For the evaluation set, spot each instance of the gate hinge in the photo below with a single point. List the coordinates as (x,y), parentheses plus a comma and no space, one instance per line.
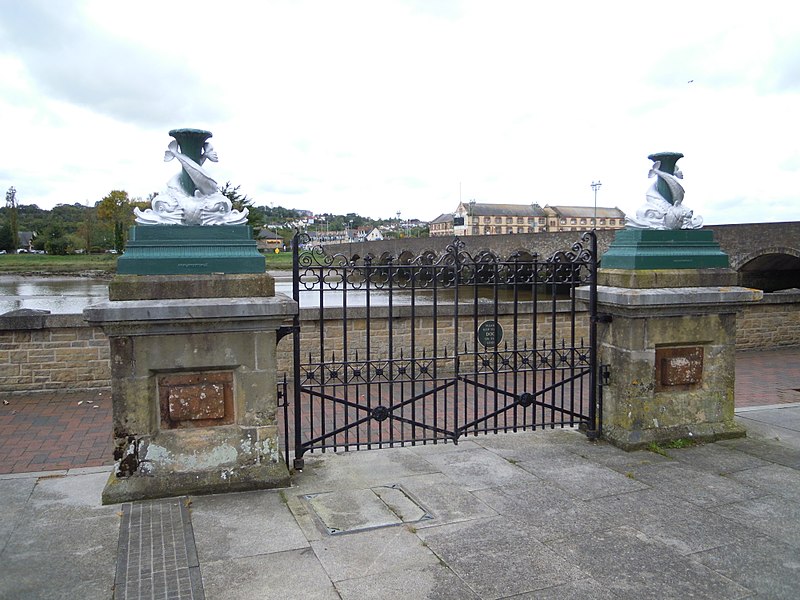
(605,374)
(285,330)
(602,318)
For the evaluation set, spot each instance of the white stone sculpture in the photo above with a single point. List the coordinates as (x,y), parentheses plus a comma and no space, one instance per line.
(191,196)
(664,208)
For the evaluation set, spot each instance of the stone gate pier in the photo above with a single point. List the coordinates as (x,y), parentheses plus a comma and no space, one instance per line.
(193,385)
(192,322)
(667,303)
(669,340)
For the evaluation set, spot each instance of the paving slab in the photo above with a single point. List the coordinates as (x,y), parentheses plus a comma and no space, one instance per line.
(358,470)
(766,566)
(346,511)
(768,449)
(632,565)
(498,557)
(13,496)
(446,502)
(545,509)
(700,488)
(231,526)
(572,590)
(772,478)
(775,425)
(432,583)
(773,516)
(671,521)
(605,454)
(290,574)
(530,445)
(785,418)
(714,458)
(370,552)
(582,478)
(478,469)
(64,532)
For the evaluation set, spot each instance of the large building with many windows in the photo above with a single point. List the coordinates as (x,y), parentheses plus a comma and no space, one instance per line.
(479,218)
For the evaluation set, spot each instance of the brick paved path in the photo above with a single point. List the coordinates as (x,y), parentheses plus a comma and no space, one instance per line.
(46,432)
(765,377)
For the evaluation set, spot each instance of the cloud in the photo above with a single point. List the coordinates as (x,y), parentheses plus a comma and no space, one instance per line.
(72,61)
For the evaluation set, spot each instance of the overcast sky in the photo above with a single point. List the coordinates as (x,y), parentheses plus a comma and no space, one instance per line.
(382,106)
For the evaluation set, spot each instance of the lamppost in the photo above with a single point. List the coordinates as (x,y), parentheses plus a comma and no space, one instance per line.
(595,186)
(472,217)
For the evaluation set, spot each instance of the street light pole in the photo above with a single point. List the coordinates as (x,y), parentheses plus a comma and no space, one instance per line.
(595,186)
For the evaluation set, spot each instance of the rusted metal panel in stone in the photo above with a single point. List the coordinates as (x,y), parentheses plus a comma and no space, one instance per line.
(679,368)
(196,399)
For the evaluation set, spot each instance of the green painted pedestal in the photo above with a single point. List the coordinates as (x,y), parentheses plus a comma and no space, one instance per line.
(664,249)
(187,250)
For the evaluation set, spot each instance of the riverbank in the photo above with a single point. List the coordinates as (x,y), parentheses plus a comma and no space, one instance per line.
(42,265)
(101,266)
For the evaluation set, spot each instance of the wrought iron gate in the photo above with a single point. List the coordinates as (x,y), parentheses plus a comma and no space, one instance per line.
(431,348)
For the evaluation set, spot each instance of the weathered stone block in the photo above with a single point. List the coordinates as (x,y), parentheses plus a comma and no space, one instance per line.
(672,358)
(174,431)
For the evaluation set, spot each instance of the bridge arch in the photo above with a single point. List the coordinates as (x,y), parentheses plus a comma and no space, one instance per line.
(770,268)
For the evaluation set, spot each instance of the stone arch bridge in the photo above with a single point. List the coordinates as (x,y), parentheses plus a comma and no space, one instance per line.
(765,255)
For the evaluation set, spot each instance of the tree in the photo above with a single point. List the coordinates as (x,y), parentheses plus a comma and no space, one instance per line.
(13,226)
(6,241)
(239,201)
(55,240)
(116,209)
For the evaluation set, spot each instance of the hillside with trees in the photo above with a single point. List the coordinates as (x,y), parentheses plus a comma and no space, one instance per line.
(80,228)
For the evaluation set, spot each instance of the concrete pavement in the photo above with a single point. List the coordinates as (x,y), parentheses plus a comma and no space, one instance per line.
(535,515)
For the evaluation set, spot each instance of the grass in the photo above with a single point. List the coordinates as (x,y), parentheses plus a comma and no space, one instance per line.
(44,263)
(662,448)
(31,264)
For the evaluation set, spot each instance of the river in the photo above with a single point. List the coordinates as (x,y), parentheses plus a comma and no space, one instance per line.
(70,295)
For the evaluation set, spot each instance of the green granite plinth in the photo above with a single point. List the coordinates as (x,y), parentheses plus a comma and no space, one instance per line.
(189,250)
(664,249)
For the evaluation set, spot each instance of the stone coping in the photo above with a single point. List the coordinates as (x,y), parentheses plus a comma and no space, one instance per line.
(672,297)
(222,309)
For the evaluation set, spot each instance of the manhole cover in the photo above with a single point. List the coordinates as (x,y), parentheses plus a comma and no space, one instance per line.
(347,511)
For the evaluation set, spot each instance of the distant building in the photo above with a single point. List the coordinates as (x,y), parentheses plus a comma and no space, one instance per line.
(441,225)
(269,240)
(480,218)
(581,218)
(374,236)
(25,239)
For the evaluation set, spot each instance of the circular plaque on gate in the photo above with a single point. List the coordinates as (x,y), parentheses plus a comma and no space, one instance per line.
(490,334)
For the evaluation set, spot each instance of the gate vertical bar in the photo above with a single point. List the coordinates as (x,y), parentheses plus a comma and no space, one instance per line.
(595,426)
(298,441)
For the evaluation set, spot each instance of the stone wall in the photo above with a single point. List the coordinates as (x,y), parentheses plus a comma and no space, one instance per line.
(52,353)
(421,326)
(772,323)
(62,352)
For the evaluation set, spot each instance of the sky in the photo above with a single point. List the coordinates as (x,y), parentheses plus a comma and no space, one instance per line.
(385,106)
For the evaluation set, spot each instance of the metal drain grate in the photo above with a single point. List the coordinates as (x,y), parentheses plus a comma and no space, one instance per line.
(348,511)
(156,557)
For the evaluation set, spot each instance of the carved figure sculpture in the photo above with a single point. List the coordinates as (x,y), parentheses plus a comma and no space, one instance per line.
(664,208)
(191,196)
